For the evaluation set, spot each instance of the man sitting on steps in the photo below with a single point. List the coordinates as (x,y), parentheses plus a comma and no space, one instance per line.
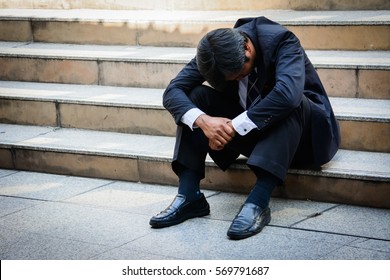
(264,101)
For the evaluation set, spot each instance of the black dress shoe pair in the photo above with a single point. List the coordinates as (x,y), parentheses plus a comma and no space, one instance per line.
(249,221)
(180,210)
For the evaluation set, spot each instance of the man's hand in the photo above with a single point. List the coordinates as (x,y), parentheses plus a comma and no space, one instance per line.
(219,131)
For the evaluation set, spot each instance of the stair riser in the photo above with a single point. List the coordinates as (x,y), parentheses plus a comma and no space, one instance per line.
(365,136)
(72,164)
(116,119)
(363,83)
(46,70)
(152,75)
(19,31)
(356,135)
(199,4)
(28,112)
(323,37)
(352,83)
(103,118)
(326,189)
(343,37)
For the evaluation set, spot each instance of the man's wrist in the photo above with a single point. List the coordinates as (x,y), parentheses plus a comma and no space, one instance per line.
(200,120)
(190,117)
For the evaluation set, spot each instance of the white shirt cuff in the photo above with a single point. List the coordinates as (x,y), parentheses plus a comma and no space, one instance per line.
(190,117)
(242,124)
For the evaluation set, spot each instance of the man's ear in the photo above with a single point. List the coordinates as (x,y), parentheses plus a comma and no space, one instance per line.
(246,46)
(248,52)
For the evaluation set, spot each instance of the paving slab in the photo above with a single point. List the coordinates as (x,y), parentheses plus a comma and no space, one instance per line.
(353,253)
(9,205)
(130,254)
(353,220)
(22,245)
(206,239)
(284,212)
(143,199)
(79,223)
(371,244)
(111,222)
(46,186)
(6,172)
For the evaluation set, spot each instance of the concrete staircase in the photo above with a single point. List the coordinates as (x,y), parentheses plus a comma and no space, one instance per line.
(80,89)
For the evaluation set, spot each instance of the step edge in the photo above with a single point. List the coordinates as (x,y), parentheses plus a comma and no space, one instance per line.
(317,65)
(74,16)
(340,117)
(328,173)
(325,172)
(119,104)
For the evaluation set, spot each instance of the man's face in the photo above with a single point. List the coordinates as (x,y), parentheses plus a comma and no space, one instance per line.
(245,71)
(248,65)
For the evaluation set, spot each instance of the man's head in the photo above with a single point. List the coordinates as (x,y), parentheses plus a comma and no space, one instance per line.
(225,54)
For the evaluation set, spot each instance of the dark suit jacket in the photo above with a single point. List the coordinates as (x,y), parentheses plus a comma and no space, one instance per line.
(285,75)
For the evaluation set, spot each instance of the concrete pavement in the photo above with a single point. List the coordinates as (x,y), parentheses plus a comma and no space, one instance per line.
(55,217)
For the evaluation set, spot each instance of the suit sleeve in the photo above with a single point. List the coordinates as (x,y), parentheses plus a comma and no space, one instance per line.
(289,61)
(175,97)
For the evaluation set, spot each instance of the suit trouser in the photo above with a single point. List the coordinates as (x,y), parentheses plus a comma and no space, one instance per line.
(285,144)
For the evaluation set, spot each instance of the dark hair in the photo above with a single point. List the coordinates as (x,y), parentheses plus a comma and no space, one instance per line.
(220,53)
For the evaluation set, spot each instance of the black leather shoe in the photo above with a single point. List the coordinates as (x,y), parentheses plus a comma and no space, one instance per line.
(249,221)
(179,211)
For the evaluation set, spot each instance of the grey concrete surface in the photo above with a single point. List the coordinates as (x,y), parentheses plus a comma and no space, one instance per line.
(344,108)
(345,164)
(180,55)
(288,17)
(46,216)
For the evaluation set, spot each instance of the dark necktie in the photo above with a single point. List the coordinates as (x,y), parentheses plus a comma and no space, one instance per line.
(252,90)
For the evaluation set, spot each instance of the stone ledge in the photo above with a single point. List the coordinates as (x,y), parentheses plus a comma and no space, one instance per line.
(177,5)
(363,60)
(353,109)
(346,164)
(285,17)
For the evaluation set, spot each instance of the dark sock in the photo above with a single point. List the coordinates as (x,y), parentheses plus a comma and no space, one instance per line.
(189,182)
(262,190)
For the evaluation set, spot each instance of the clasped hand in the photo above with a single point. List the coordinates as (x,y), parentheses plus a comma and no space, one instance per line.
(218,130)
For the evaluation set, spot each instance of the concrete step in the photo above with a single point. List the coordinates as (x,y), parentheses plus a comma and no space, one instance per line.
(352,177)
(363,74)
(139,110)
(199,4)
(339,30)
